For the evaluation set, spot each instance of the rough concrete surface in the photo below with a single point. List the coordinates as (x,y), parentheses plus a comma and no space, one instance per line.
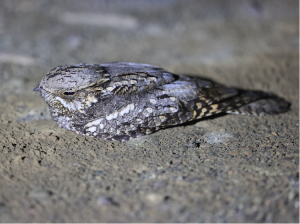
(227,169)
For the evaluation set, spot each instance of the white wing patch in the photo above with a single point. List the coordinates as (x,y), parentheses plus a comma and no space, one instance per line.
(92,129)
(112,116)
(95,122)
(123,111)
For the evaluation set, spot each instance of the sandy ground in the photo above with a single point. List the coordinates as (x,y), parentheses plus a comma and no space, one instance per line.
(226,169)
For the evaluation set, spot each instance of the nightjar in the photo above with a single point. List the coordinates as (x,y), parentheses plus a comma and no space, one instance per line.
(122,100)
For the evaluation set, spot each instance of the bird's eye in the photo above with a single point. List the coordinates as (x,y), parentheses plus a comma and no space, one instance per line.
(68,93)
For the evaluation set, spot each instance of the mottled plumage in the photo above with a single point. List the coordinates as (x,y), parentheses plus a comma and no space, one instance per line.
(121,100)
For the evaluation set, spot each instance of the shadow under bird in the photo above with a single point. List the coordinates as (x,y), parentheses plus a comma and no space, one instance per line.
(123,100)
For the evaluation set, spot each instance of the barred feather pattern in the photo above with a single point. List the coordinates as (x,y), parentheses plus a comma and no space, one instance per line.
(123,100)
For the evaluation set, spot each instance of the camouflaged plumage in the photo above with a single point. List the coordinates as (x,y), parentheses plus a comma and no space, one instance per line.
(122,100)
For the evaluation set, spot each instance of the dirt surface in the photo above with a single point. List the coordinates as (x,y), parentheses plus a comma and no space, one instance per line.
(227,169)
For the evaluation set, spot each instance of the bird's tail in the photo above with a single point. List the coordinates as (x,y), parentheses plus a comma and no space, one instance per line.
(217,99)
(265,105)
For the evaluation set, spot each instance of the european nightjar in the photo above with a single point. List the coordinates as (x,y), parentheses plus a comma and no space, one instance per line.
(122,100)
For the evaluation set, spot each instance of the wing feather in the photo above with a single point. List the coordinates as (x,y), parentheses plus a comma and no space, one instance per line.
(132,78)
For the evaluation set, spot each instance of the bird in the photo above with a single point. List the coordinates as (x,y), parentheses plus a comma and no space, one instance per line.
(124,100)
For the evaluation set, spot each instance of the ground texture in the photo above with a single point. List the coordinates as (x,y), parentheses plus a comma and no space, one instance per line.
(227,169)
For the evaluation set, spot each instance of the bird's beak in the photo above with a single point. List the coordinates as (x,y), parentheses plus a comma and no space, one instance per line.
(37,88)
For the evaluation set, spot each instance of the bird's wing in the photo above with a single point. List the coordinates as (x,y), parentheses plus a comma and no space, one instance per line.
(133,78)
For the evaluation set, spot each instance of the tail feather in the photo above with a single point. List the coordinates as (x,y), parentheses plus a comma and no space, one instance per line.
(253,103)
(268,106)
